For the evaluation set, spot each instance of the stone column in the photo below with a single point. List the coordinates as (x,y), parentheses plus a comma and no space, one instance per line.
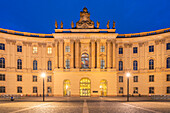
(163,53)
(93,54)
(61,54)
(13,57)
(108,54)
(114,54)
(56,54)
(72,54)
(98,54)
(8,54)
(77,54)
(146,61)
(25,55)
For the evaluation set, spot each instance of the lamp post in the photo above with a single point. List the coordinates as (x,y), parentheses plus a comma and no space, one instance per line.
(43,76)
(128,75)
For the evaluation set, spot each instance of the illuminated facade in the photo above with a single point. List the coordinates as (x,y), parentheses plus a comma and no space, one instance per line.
(85,61)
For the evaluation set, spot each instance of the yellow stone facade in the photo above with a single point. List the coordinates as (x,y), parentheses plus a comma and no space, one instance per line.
(85,47)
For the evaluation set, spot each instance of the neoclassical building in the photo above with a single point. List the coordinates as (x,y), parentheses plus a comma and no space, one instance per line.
(85,61)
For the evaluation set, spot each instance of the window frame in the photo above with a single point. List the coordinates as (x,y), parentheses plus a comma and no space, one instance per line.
(34,49)
(34,79)
(151,64)
(35,65)
(151,90)
(102,64)
(67,48)
(2,46)
(102,48)
(2,89)
(2,62)
(135,90)
(49,65)
(151,48)
(151,78)
(120,65)
(120,79)
(35,89)
(19,78)
(2,77)
(167,46)
(135,78)
(49,50)
(135,65)
(135,50)
(19,64)
(67,64)
(120,50)
(49,78)
(19,48)
(19,89)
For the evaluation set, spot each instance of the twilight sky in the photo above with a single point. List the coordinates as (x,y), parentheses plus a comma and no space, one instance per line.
(38,16)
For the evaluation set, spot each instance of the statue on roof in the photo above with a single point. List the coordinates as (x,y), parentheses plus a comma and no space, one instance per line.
(72,24)
(98,24)
(114,24)
(108,24)
(61,25)
(56,25)
(85,22)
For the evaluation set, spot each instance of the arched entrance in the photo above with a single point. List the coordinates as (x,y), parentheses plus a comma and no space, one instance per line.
(103,88)
(67,89)
(85,87)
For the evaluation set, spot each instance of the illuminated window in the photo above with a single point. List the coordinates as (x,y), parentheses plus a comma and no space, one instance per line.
(35,49)
(102,49)
(49,50)
(34,89)
(19,64)
(67,48)
(135,90)
(85,61)
(67,88)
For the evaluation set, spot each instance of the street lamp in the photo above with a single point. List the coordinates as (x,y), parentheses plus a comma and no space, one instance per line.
(43,76)
(128,75)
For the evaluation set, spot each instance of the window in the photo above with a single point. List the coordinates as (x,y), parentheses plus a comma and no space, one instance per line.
(49,90)
(135,65)
(67,48)
(151,64)
(34,65)
(168,46)
(120,65)
(120,78)
(151,78)
(135,79)
(34,89)
(19,89)
(135,50)
(19,64)
(168,90)
(49,50)
(34,78)
(135,90)
(49,65)
(2,77)
(19,48)
(2,62)
(67,64)
(102,64)
(2,46)
(49,79)
(102,49)
(151,90)
(120,50)
(168,77)
(168,62)
(35,49)
(2,89)
(19,77)
(85,61)
(151,48)
(121,90)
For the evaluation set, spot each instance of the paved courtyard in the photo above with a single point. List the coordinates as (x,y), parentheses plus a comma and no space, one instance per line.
(84,105)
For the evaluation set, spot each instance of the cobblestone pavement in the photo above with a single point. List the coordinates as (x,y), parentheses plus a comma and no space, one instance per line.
(83,105)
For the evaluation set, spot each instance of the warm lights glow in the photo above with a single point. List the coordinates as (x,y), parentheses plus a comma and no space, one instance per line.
(43,75)
(128,74)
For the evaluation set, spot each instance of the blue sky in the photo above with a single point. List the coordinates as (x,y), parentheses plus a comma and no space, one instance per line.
(38,16)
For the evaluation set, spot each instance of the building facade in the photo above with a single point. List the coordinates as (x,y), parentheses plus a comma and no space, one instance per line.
(85,61)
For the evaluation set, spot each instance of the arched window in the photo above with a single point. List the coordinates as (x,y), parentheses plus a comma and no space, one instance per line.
(135,65)
(67,64)
(2,62)
(49,65)
(19,64)
(85,87)
(34,65)
(85,61)
(67,89)
(151,64)
(168,62)
(103,88)
(120,65)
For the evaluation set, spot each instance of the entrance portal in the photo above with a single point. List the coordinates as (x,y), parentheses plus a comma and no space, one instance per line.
(103,88)
(85,87)
(67,90)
